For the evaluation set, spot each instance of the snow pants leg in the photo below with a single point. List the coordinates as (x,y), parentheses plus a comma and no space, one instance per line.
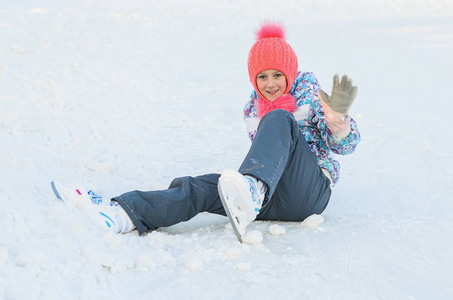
(184,199)
(279,156)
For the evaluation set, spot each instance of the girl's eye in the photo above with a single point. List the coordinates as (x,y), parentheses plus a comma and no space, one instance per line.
(262,77)
(278,75)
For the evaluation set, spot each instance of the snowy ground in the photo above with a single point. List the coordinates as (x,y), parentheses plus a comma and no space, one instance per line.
(123,95)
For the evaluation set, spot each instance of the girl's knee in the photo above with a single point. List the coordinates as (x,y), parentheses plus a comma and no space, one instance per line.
(280,116)
(280,113)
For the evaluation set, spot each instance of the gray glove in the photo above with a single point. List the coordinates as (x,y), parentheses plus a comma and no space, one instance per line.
(343,95)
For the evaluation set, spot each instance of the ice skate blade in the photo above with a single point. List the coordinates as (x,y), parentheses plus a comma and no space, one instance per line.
(54,189)
(231,217)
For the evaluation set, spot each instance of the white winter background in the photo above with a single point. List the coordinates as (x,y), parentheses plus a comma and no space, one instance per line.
(125,95)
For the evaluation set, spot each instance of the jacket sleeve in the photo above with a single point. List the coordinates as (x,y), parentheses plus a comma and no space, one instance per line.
(251,116)
(347,144)
(342,146)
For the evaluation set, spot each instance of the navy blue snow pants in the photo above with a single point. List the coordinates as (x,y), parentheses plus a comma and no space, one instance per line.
(279,156)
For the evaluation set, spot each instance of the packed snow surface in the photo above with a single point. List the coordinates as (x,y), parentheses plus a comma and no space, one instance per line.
(124,95)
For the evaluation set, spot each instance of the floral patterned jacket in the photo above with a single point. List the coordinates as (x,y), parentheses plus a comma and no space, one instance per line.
(310,116)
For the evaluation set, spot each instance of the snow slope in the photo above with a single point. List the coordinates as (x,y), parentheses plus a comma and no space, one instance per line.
(124,95)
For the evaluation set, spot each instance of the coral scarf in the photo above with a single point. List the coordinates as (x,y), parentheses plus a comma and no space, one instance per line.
(285,101)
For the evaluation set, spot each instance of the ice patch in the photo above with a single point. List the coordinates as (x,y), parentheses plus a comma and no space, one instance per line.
(82,100)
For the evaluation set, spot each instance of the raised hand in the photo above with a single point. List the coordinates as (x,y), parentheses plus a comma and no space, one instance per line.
(343,94)
(336,107)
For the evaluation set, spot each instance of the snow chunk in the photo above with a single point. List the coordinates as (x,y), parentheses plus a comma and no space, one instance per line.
(164,259)
(34,257)
(244,266)
(18,50)
(122,265)
(312,221)
(233,252)
(253,237)
(145,262)
(194,264)
(112,239)
(37,11)
(320,229)
(277,230)
(106,260)
(3,255)
(100,167)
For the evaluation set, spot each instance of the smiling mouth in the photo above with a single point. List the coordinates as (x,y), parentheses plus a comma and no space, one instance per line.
(272,92)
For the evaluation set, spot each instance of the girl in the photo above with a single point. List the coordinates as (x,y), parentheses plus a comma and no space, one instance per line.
(288,173)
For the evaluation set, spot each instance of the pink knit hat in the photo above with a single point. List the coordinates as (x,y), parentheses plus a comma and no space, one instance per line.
(271,51)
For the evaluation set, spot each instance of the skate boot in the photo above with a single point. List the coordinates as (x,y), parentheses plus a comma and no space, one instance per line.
(108,214)
(242,197)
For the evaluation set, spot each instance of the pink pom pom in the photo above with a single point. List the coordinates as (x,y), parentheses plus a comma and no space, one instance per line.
(270,30)
(286,102)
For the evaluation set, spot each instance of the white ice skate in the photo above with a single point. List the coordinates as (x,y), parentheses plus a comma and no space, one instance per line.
(242,198)
(109,214)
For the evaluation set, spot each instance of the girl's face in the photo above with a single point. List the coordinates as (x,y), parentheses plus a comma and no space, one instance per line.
(271,83)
